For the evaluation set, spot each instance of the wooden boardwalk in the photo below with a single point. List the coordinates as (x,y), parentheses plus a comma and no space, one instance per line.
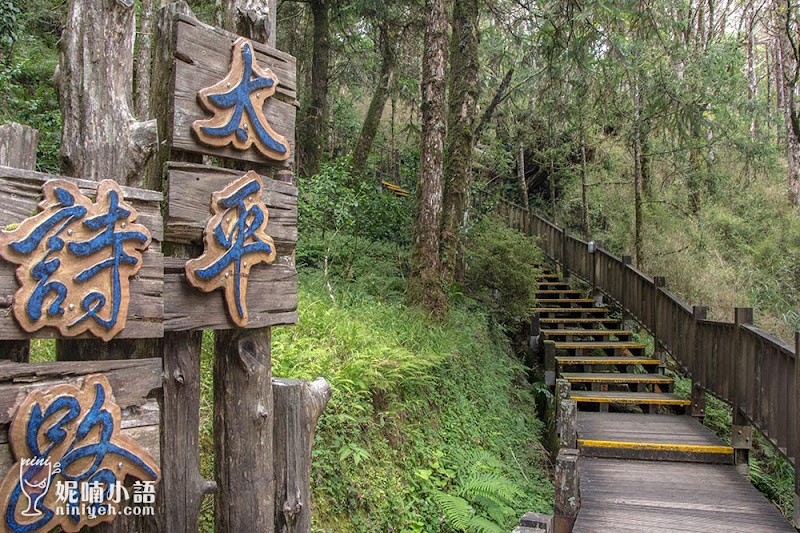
(627,496)
(644,465)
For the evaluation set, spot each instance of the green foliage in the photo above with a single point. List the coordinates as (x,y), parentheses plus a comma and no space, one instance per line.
(501,267)
(335,201)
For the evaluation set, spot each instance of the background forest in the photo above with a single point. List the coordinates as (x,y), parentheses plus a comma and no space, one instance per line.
(667,130)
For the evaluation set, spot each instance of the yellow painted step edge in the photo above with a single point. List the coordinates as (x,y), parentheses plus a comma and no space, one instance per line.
(629,360)
(612,379)
(648,401)
(656,446)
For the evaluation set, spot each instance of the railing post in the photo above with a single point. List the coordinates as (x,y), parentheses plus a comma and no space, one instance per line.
(596,294)
(626,262)
(550,363)
(741,430)
(797,429)
(658,282)
(568,416)
(698,409)
(567,485)
(562,394)
(564,255)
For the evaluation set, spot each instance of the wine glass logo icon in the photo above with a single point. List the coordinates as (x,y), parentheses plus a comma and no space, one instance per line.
(35,476)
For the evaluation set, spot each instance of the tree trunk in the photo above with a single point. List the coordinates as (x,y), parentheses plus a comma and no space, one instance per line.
(312,123)
(100,138)
(521,182)
(461,103)
(584,183)
(376,105)
(298,405)
(498,97)
(752,78)
(425,282)
(144,47)
(637,176)
(243,425)
(788,71)
(254,19)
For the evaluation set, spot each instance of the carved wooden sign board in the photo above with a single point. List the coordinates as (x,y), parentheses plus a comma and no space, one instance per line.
(71,457)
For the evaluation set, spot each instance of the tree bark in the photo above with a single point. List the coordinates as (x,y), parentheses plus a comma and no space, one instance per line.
(788,69)
(312,129)
(461,103)
(584,183)
(637,175)
(298,405)
(378,102)
(100,138)
(243,425)
(498,97)
(144,48)
(521,182)
(425,282)
(18,150)
(254,19)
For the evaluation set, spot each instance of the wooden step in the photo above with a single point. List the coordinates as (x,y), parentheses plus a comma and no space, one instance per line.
(578,332)
(587,320)
(548,276)
(649,437)
(566,301)
(605,360)
(570,310)
(551,283)
(603,345)
(608,378)
(557,291)
(629,398)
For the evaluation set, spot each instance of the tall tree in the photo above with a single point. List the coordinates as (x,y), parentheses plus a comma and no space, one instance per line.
(372,120)
(787,52)
(425,281)
(461,103)
(311,127)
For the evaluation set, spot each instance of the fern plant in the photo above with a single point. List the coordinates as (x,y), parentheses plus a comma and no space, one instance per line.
(480,499)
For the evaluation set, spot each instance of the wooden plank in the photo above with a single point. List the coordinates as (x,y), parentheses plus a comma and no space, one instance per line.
(586,332)
(271,299)
(189,196)
(203,58)
(644,398)
(601,360)
(577,310)
(643,496)
(612,377)
(597,345)
(587,320)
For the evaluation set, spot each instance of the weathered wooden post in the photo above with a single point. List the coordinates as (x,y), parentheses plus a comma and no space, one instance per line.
(567,490)
(550,363)
(596,293)
(741,430)
(18,150)
(658,282)
(564,255)
(627,261)
(698,409)
(569,424)
(797,428)
(562,393)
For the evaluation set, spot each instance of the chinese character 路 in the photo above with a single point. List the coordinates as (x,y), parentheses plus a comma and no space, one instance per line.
(70,450)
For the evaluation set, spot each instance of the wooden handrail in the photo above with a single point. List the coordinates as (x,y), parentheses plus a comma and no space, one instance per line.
(708,350)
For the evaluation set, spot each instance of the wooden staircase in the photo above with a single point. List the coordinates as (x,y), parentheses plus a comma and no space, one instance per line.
(626,405)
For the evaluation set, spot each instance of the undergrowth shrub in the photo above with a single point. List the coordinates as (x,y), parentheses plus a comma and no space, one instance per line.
(501,270)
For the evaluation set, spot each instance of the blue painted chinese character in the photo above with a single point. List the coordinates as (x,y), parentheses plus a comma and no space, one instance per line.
(235,240)
(68,438)
(75,260)
(237,103)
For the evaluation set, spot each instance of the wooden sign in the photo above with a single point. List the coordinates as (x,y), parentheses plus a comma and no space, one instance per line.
(75,259)
(237,103)
(271,296)
(20,196)
(203,57)
(71,458)
(235,241)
